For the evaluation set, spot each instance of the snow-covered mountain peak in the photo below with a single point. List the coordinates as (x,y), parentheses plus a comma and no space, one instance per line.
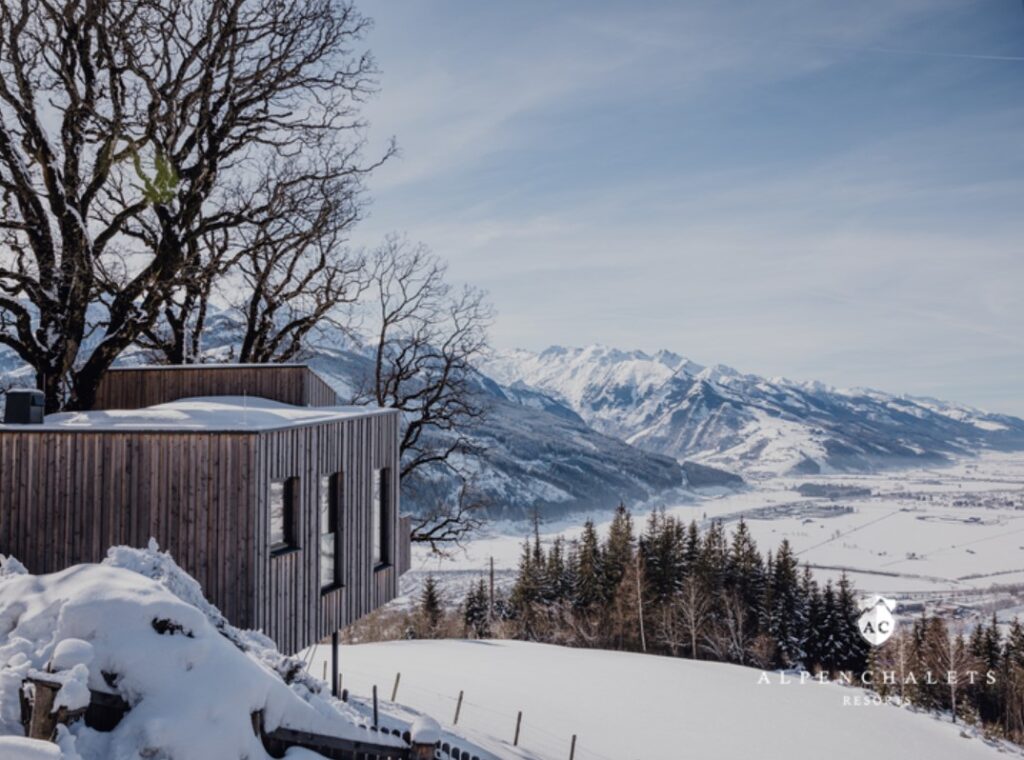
(718,374)
(670,405)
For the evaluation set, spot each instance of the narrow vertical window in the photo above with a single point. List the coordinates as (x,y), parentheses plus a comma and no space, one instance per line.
(282,514)
(380,517)
(330,531)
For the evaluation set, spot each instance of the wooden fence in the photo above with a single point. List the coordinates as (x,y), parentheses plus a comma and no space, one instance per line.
(106,710)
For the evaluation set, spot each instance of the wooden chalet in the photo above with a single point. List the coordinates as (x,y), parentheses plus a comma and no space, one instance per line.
(281,503)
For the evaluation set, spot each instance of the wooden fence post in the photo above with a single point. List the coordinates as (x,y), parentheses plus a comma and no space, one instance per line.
(572,748)
(519,722)
(458,709)
(43,720)
(394,690)
(43,723)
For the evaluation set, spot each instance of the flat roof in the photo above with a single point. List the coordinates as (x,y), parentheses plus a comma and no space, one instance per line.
(243,414)
(209,366)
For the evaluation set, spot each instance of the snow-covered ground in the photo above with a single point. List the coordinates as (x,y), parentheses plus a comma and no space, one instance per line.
(939,532)
(627,706)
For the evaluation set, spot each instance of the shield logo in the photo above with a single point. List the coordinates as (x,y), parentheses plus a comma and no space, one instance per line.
(876,623)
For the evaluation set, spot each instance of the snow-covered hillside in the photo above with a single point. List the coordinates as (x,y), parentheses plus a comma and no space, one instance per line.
(138,627)
(668,404)
(642,707)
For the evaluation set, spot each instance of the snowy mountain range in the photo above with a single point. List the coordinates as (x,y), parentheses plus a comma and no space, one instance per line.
(667,404)
(583,428)
(534,452)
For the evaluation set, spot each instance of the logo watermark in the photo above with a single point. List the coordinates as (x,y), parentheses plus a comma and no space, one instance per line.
(876,623)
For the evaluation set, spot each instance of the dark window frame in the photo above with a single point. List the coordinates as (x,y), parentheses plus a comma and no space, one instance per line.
(380,523)
(289,498)
(334,482)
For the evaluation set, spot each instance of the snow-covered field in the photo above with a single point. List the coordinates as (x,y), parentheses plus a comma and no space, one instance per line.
(627,706)
(944,531)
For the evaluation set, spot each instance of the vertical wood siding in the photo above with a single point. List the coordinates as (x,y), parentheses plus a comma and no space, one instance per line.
(291,580)
(66,496)
(138,387)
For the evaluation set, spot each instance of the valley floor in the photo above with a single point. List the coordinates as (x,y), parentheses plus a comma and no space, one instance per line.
(626,706)
(943,537)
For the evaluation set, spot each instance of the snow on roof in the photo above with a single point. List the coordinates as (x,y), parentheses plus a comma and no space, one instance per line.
(212,365)
(212,413)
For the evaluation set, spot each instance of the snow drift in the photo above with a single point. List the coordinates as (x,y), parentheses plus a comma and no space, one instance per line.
(138,626)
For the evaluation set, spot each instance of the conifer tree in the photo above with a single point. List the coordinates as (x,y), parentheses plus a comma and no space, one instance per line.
(589,572)
(788,615)
(853,650)
(431,608)
(618,551)
(747,576)
(829,646)
(816,623)
(476,613)
(691,550)
(526,593)
(661,548)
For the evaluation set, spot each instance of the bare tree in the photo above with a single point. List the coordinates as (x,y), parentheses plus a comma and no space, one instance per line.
(450,521)
(427,336)
(297,273)
(949,657)
(730,639)
(668,628)
(694,609)
(127,131)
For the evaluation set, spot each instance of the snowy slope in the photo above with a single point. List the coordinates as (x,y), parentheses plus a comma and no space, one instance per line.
(138,626)
(641,707)
(670,405)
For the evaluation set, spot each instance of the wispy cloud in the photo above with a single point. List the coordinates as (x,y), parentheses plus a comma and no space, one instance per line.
(773,185)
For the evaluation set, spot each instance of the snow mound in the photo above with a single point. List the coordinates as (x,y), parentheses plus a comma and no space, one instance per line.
(138,626)
(17,748)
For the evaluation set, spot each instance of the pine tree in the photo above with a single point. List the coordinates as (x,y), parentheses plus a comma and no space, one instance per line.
(816,623)
(853,649)
(556,585)
(588,592)
(746,576)
(691,549)
(713,561)
(788,615)
(526,594)
(618,551)
(476,613)
(830,645)
(662,553)
(431,608)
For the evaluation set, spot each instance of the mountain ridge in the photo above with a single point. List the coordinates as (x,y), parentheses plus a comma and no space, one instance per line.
(668,404)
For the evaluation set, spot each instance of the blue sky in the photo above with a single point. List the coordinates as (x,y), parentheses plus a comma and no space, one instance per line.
(821,190)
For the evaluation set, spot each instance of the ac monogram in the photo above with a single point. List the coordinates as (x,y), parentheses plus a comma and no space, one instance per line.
(876,623)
